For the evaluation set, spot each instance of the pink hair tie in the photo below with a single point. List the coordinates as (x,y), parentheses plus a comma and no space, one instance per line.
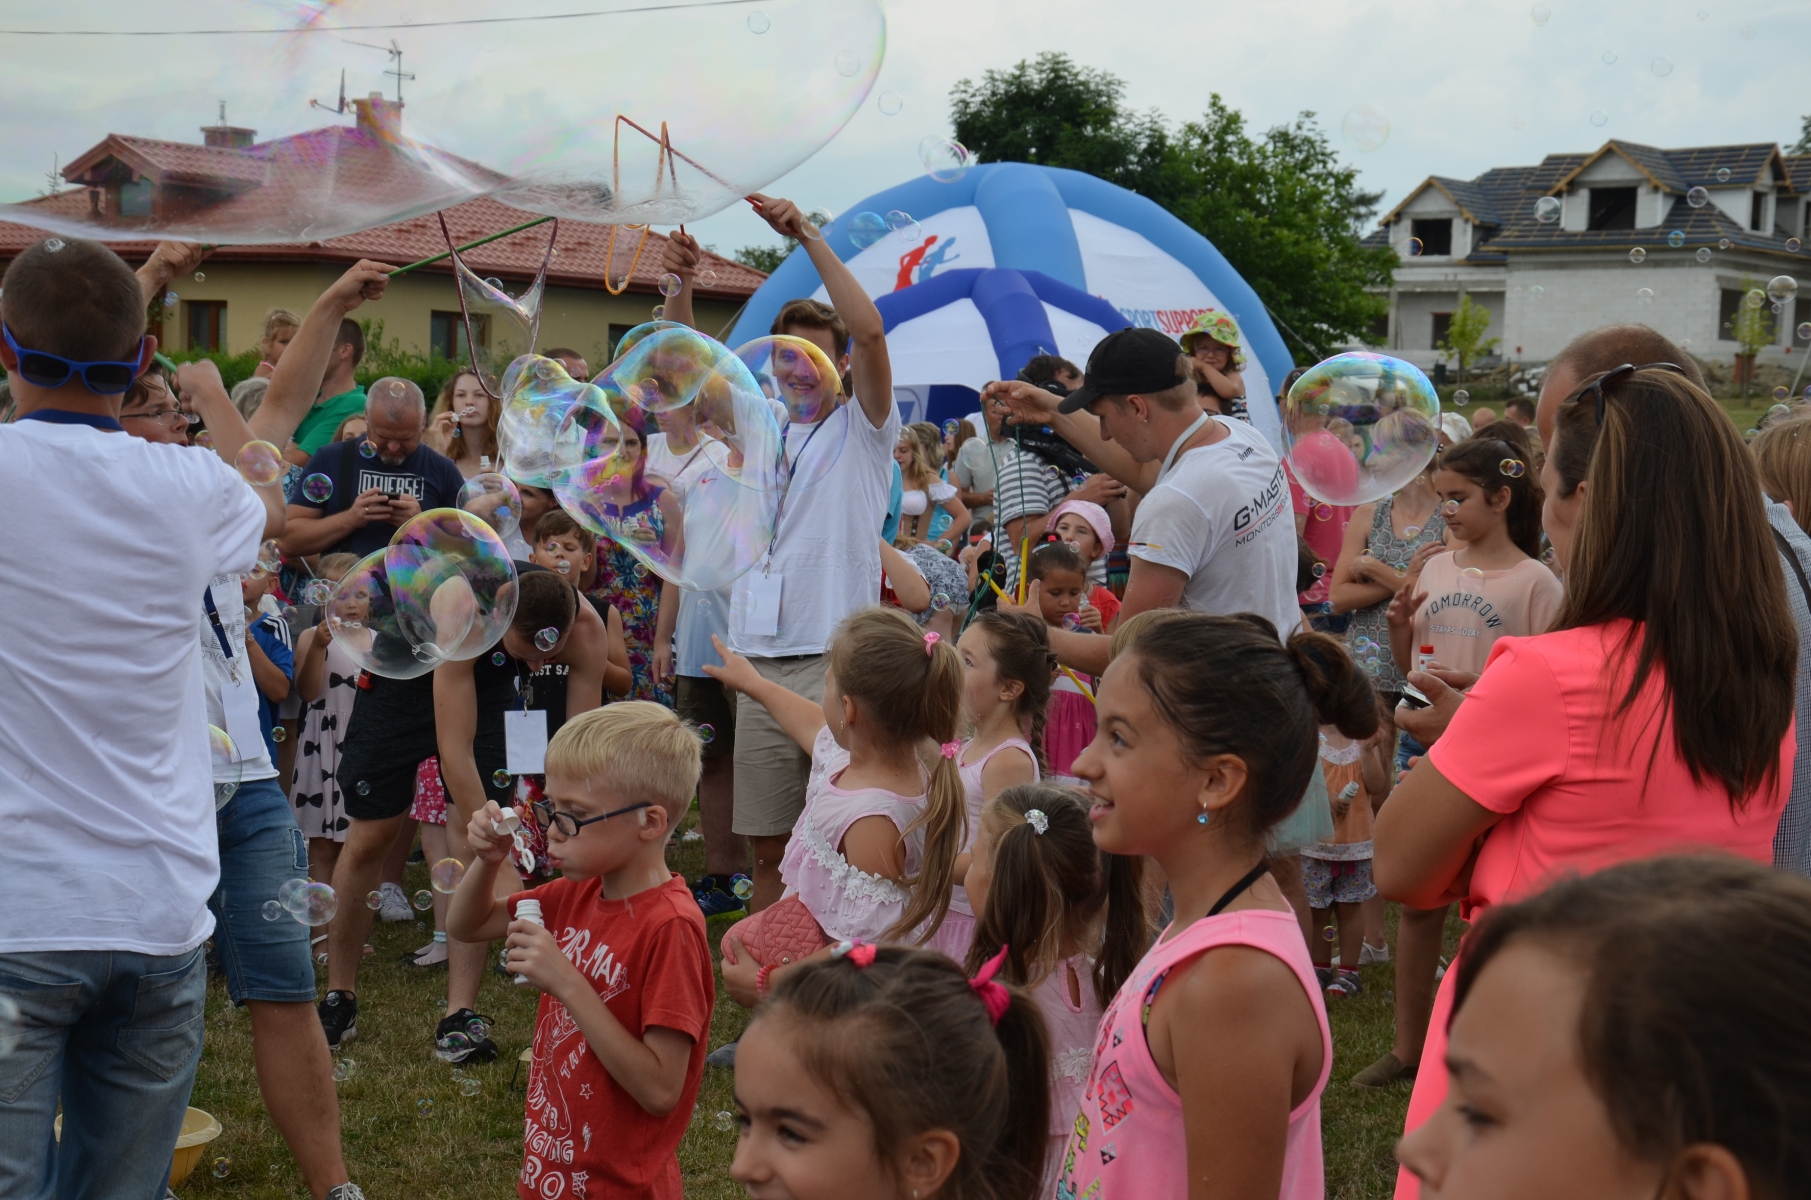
(930,642)
(993,995)
(951,749)
(858,952)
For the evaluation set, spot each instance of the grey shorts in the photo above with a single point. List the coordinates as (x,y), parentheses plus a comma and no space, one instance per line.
(771,769)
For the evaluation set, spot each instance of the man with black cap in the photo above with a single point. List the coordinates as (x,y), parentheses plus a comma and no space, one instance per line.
(1213,531)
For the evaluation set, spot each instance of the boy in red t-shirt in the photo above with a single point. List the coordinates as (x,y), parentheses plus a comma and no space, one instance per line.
(621,961)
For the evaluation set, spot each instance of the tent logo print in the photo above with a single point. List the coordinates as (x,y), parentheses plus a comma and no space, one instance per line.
(916,266)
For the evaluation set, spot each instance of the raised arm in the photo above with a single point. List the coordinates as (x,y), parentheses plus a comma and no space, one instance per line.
(297,379)
(681,258)
(1032,405)
(169,260)
(799,717)
(868,362)
(206,394)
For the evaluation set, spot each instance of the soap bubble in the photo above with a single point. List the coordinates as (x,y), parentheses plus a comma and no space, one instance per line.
(1638,255)
(1722,174)
(374,900)
(272,910)
(1779,412)
(1358,426)
(495,500)
(535,432)
(1703,254)
(317,488)
(1546,209)
(313,904)
(1722,243)
(423,900)
(260,463)
(1414,247)
(796,374)
(707,734)
(1472,576)
(1644,295)
(469,1086)
(1792,245)
(446,874)
(1755,298)
(725,1122)
(1327,933)
(227,763)
(1676,238)
(1461,397)
(1782,288)
(758,22)
(1366,126)
(1319,570)
(367,450)
(945,159)
(500,778)
(500,328)
(1698,197)
(1512,467)
(1537,292)
(1609,58)
(546,639)
(890,104)
(528,116)
(1600,118)
(424,1107)
(1662,66)
(866,228)
(344,1069)
(1411,532)
(670,284)
(170,299)
(1540,14)
(222,1168)
(1804,331)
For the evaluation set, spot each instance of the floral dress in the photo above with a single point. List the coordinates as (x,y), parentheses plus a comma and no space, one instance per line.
(626,584)
(1372,622)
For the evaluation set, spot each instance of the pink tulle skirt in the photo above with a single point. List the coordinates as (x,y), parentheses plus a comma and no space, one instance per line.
(1068,728)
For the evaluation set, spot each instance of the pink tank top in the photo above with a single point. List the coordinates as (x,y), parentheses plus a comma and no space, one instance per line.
(1128,1141)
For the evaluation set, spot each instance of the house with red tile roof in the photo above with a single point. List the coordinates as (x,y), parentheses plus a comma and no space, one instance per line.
(601,280)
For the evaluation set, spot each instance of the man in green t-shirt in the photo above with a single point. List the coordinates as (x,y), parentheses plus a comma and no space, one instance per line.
(341,396)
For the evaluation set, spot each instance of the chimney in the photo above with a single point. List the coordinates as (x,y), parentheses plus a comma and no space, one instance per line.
(222,136)
(380,116)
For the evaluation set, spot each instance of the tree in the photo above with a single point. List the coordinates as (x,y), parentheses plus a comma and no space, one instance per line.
(765,259)
(1279,206)
(1751,328)
(1465,338)
(1804,138)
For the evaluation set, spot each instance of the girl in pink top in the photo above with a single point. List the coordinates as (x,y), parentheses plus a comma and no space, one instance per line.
(873,855)
(1210,1063)
(1657,715)
(1072,921)
(1005,686)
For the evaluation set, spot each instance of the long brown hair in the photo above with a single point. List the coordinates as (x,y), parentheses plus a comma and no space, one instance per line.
(1697,973)
(1481,459)
(1052,882)
(444,403)
(1019,644)
(1673,538)
(908,685)
(906,1041)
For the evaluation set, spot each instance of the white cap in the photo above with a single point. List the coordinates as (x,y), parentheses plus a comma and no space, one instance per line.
(528,910)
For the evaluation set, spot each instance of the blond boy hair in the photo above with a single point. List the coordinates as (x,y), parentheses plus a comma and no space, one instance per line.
(642,749)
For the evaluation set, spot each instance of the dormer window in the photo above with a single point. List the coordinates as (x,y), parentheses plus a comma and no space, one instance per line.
(1612,208)
(1758,212)
(135,198)
(1434,234)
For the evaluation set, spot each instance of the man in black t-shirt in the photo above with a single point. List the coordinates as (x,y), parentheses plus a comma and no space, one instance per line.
(373,484)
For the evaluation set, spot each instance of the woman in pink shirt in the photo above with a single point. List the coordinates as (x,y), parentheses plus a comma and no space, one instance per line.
(1655,717)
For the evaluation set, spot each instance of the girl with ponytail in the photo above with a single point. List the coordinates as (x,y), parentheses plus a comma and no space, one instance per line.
(1070,921)
(873,855)
(884,1072)
(1209,1066)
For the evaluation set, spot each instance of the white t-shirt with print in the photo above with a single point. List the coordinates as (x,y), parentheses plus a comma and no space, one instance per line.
(106,796)
(1221,516)
(827,549)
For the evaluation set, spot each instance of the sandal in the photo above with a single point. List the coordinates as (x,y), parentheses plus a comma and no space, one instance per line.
(1346,984)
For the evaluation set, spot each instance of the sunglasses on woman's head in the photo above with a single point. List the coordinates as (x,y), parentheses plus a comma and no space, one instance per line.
(53,371)
(1616,375)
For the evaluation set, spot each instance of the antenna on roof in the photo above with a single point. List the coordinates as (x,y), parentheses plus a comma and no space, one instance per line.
(396,72)
(342,104)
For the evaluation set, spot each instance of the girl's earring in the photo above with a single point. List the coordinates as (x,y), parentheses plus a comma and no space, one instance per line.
(1202,818)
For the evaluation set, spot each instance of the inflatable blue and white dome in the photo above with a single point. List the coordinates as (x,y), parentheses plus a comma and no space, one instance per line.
(1014,260)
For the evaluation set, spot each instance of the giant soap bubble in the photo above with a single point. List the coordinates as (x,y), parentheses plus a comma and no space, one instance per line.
(806,393)
(593,111)
(539,405)
(1358,426)
(444,589)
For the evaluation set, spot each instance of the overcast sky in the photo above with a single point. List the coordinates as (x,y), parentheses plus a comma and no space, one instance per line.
(1467,84)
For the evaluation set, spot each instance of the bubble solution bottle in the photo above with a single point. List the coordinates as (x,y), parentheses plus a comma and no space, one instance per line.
(529,910)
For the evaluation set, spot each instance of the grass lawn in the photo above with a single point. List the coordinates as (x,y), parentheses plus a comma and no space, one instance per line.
(408,1129)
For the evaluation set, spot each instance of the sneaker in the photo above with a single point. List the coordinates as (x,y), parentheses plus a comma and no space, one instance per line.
(395,906)
(339,1018)
(717,896)
(464,1037)
(1369,954)
(345,1191)
(1326,976)
(723,1056)
(1385,1072)
(1346,984)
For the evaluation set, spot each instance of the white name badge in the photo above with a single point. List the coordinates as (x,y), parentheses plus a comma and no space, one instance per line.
(763,605)
(525,741)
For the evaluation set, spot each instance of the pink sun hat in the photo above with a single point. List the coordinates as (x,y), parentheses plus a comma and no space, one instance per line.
(1094,514)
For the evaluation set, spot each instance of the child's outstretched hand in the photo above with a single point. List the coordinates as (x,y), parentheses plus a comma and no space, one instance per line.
(531,952)
(736,673)
(483,838)
(1088,618)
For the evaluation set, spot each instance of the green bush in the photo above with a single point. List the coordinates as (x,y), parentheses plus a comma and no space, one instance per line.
(382,359)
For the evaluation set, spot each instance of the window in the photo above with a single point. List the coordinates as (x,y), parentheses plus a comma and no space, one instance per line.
(207,324)
(135,198)
(616,337)
(1612,208)
(1757,211)
(1443,324)
(1380,331)
(446,335)
(1436,235)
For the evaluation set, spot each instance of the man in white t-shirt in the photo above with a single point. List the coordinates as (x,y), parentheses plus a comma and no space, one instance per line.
(106,792)
(825,559)
(1213,532)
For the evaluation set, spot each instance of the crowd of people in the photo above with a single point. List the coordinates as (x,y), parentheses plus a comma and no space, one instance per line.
(1055,767)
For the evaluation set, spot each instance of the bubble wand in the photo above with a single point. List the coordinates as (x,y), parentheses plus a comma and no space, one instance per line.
(468,246)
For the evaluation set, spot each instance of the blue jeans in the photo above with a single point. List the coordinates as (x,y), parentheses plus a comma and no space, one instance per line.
(116,1036)
(260,850)
(1407,748)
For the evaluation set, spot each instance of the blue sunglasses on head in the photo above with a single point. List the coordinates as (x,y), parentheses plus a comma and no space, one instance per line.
(53,371)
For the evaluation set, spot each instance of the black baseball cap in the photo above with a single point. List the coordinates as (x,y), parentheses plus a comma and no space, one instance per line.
(1131,360)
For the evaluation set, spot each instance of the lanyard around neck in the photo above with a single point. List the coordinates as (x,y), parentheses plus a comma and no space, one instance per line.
(1169,460)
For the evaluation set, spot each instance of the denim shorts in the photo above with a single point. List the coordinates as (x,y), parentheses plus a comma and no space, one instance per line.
(260,850)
